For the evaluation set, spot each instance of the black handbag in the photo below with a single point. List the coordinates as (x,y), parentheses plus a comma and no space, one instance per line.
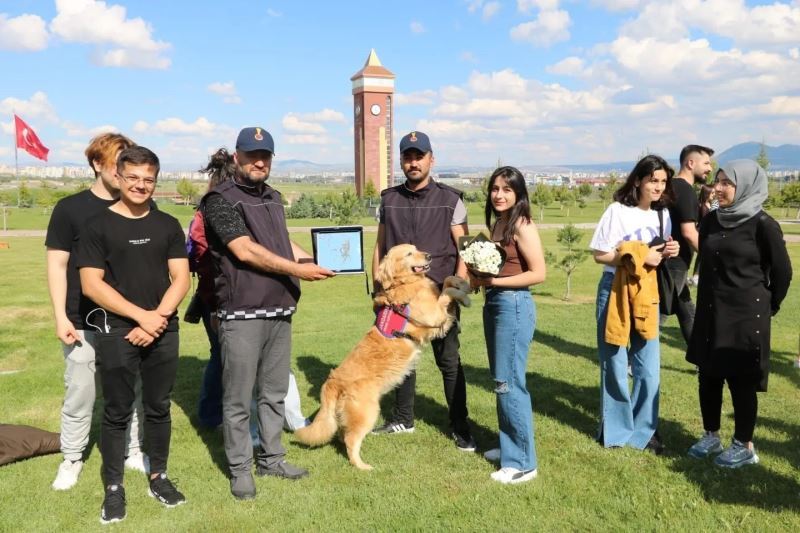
(666,285)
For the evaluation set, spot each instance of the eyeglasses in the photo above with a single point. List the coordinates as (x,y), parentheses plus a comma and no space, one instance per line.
(134,180)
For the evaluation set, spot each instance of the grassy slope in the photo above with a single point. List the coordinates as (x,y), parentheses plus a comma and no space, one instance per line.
(420,481)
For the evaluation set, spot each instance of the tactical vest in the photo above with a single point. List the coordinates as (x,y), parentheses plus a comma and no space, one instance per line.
(423,218)
(244,292)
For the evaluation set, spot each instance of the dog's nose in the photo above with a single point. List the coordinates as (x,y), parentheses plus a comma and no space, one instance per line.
(427,257)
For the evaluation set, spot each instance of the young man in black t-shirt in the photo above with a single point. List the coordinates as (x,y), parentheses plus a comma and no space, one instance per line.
(133,264)
(695,163)
(71,309)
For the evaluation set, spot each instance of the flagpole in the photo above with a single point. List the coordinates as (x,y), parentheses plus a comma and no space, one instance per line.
(16,157)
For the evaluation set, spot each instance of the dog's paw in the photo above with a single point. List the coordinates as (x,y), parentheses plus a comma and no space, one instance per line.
(456,283)
(459,296)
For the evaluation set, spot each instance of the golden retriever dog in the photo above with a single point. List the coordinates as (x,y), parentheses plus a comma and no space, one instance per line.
(349,400)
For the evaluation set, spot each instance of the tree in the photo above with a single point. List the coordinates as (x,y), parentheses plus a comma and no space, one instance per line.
(348,208)
(569,199)
(541,197)
(370,192)
(187,190)
(763,159)
(24,196)
(303,207)
(608,190)
(569,236)
(790,197)
(585,190)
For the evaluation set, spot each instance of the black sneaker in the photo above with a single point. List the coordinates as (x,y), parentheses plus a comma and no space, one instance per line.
(162,489)
(281,469)
(654,445)
(464,442)
(113,509)
(390,428)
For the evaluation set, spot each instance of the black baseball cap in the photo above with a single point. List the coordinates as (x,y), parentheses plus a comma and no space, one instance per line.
(416,140)
(252,139)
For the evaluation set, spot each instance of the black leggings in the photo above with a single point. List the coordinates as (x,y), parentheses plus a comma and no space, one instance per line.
(745,403)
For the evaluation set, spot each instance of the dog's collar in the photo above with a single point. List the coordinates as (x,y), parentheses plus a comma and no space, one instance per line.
(404,335)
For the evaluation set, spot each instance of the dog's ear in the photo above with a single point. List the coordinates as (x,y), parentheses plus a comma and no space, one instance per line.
(385,270)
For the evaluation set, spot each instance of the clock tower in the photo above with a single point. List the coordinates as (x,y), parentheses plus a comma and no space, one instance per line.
(373,93)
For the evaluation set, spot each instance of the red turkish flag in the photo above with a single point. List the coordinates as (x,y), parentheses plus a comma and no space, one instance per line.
(29,141)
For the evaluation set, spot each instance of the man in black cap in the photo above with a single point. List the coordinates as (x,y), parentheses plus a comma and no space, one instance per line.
(257,269)
(431,216)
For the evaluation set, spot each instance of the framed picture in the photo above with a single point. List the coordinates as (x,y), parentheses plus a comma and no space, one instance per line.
(339,248)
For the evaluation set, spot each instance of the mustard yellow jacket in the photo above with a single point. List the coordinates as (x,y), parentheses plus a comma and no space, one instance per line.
(634,296)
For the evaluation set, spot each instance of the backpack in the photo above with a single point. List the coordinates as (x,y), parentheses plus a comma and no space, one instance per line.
(197,246)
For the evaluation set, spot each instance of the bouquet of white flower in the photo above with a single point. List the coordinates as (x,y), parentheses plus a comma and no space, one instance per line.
(482,256)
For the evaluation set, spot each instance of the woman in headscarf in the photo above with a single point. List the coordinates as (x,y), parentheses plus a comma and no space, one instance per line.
(744,275)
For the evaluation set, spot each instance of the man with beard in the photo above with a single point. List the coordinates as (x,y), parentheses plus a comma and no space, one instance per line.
(432,217)
(257,288)
(695,161)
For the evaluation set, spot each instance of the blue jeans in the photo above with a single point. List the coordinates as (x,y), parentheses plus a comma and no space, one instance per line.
(509,319)
(209,408)
(627,417)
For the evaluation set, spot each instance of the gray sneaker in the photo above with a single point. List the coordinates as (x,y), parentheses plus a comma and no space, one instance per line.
(708,444)
(243,487)
(736,455)
(281,469)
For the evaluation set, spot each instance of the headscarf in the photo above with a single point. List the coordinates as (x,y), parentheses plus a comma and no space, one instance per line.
(751,192)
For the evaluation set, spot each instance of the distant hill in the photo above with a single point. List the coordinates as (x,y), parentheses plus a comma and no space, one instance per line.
(784,157)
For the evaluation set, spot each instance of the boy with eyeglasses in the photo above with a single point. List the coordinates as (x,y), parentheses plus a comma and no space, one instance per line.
(133,264)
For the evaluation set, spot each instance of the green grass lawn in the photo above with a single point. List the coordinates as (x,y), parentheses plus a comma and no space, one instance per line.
(421,482)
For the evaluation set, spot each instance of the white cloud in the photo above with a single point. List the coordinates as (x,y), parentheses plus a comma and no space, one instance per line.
(26,33)
(79,130)
(774,24)
(176,126)
(618,5)
(782,106)
(548,28)
(122,41)
(474,5)
(490,10)
(326,115)
(37,107)
(425,97)
(526,6)
(570,66)
(794,53)
(273,13)
(416,27)
(227,90)
(293,123)
(307,139)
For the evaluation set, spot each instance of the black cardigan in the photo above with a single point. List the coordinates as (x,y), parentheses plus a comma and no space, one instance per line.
(745,274)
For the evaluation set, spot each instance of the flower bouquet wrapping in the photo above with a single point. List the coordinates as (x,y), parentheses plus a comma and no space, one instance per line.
(484,258)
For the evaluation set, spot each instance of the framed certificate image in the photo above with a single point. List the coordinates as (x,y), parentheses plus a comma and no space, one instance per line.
(339,248)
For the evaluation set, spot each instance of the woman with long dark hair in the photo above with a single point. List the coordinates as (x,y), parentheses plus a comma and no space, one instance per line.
(745,274)
(633,234)
(509,320)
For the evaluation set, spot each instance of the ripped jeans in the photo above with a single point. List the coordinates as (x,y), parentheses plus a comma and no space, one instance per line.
(509,320)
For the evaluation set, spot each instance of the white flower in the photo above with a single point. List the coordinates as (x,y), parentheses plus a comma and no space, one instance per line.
(482,256)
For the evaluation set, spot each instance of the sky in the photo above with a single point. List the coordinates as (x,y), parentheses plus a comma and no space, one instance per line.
(526,82)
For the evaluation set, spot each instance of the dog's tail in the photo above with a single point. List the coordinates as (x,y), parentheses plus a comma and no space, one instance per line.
(324,426)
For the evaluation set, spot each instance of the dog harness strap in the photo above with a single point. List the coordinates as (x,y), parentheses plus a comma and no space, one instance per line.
(390,320)
(404,335)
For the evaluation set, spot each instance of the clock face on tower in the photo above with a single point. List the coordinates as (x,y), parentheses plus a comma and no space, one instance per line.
(375,109)
(358,110)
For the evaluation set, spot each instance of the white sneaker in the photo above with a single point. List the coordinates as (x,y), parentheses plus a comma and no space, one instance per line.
(492,455)
(138,461)
(67,475)
(512,476)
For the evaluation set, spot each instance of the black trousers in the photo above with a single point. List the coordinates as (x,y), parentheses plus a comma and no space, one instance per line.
(448,359)
(682,305)
(745,403)
(119,362)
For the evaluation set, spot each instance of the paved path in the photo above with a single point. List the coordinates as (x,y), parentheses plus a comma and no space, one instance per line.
(473,228)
